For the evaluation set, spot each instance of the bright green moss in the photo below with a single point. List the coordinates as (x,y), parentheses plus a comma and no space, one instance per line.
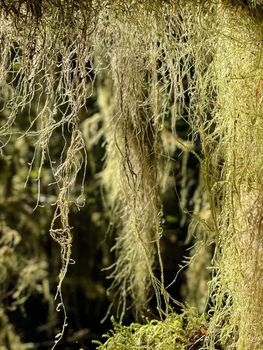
(182,332)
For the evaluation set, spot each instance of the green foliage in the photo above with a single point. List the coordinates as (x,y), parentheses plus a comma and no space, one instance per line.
(183,332)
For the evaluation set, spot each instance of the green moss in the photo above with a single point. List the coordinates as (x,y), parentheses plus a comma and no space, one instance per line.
(183,332)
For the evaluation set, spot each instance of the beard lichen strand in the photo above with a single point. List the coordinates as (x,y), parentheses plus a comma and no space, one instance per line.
(132,136)
(231,137)
(135,141)
(60,230)
(239,68)
(45,69)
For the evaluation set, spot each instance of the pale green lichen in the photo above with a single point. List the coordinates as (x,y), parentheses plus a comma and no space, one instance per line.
(201,61)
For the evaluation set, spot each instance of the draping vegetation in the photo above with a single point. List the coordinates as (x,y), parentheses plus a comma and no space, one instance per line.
(132,132)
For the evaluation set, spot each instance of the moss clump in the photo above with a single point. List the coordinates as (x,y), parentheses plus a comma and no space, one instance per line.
(176,332)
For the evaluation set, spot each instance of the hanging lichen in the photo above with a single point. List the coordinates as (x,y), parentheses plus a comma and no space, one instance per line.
(164,61)
(237,190)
